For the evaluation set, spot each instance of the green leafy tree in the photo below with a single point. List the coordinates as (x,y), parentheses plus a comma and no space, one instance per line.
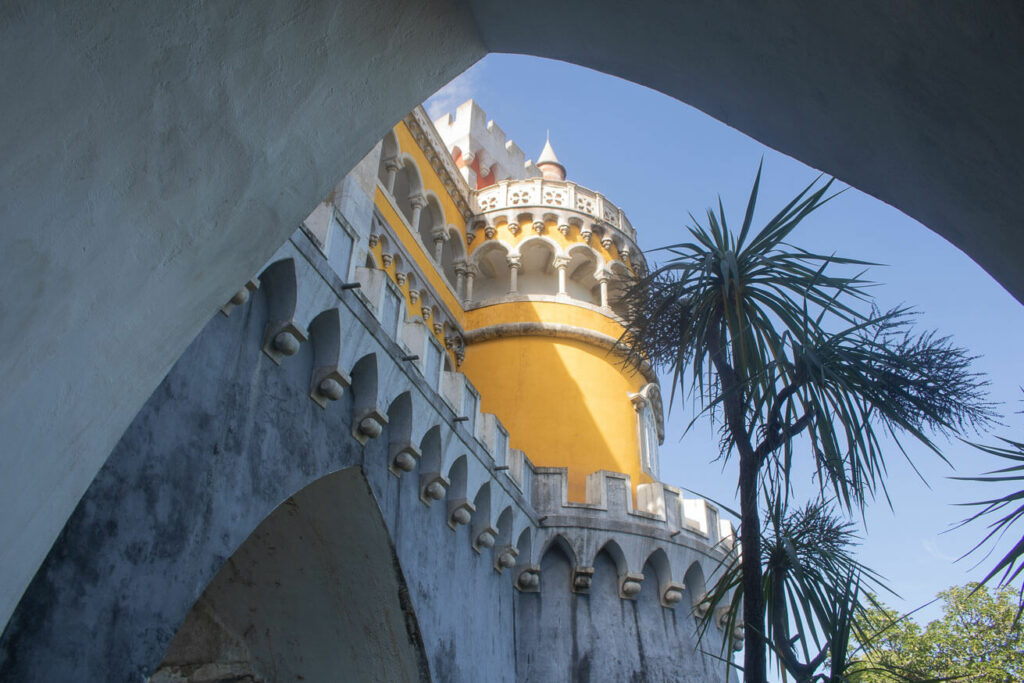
(976,639)
(780,350)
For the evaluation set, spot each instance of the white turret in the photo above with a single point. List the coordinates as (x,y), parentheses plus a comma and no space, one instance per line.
(548,163)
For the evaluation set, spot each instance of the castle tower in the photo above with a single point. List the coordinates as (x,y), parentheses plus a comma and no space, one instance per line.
(546,261)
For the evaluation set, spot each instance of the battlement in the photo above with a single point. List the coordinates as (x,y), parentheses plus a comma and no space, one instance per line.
(482,144)
(661,509)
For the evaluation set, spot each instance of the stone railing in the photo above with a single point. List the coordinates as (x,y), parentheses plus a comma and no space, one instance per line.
(554,194)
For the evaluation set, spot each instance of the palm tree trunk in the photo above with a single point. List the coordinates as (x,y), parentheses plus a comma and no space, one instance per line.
(755,669)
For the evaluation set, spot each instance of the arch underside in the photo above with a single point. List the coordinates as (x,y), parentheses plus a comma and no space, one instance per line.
(195,142)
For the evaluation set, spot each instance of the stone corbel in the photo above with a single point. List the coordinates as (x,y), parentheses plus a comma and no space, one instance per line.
(387,260)
(582,577)
(369,425)
(607,242)
(400,278)
(438,327)
(564,229)
(374,239)
(672,594)
(490,231)
(630,586)
(282,338)
(538,227)
(414,295)
(403,458)
(505,558)
(738,633)
(433,486)
(460,512)
(240,297)
(513,227)
(528,579)
(485,539)
(328,384)
(700,610)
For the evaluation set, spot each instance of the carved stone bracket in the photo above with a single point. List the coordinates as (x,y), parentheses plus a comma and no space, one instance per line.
(403,458)
(328,384)
(240,297)
(582,577)
(460,512)
(282,338)
(433,486)
(528,579)
(672,594)
(369,425)
(485,539)
(630,586)
(505,558)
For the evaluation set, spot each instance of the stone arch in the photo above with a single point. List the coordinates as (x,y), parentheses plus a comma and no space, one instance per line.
(537,274)
(581,280)
(328,379)
(389,162)
(492,277)
(408,185)
(279,286)
(431,225)
(618,281)
(368,419)
(657,572)
(524,545)
(402,452)
(286,584)
(453,254)
(696,587)
(614,551)
(559,543)
(484,535)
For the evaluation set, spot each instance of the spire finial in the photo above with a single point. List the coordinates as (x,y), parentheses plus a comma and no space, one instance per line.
(548,163)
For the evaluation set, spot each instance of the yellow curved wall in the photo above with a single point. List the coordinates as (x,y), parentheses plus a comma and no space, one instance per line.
(565,404)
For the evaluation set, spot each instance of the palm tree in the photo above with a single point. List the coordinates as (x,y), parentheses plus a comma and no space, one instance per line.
(778,350)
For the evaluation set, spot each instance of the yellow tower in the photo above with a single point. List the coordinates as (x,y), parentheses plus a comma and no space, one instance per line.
(523,271)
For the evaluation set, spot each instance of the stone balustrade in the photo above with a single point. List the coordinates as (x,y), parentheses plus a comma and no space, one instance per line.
(510,195)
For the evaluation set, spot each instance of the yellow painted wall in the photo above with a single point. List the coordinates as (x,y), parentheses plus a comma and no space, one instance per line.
(565,404)
(542,311)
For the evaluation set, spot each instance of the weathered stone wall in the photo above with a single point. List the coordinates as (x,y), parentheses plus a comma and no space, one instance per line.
(298,543)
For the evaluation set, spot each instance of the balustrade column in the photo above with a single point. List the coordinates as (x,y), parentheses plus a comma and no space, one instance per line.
(603,279)
(419,202)
(562,264)
(460,277)
(439,238)
(513,274)
(391,166)
(470,274)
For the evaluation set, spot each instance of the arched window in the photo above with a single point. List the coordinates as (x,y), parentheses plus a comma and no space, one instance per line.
(650,429)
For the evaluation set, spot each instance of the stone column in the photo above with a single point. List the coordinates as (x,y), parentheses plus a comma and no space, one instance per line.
(391,166)
(514,262)
(562,264)
(603,279)
(419,202)
(470,274)
(439,238)
(460,277)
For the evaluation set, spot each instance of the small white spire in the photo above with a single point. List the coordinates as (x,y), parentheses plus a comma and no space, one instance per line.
(549,164)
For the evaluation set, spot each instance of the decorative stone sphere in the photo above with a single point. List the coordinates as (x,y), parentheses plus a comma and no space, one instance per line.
(435,490)
(630,587)
(370,427)
(405,462)
(331,388)
(461,516)
(506,560)
(286,343)
(241,296)
(581,582)
(672,596)
(529,579)
(485,539)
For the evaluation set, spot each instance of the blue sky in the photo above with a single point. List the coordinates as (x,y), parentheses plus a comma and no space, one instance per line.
(659,160)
